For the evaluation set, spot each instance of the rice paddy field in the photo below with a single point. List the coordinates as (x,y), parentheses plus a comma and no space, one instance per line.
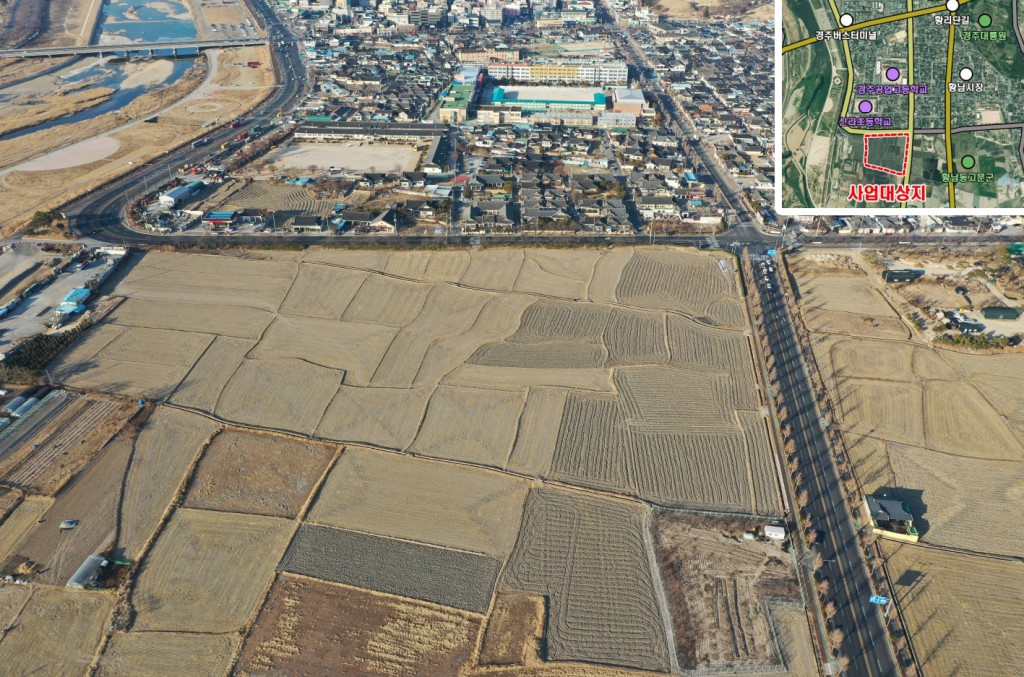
(941,430)
(459,454)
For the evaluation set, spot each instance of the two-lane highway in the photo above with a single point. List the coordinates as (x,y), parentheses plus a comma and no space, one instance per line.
(867,643)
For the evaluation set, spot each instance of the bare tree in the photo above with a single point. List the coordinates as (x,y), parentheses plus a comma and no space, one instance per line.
(831,610)
(802,498)
(836,636)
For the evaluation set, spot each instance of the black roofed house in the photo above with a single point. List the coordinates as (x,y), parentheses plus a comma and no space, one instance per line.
(306,224)
(890,518)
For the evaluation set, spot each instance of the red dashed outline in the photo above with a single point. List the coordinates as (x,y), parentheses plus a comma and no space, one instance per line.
(906,152)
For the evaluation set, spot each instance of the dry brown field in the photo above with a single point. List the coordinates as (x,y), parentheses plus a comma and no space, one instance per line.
(19,523)
(12,599)
(382,417)
(498,318)
(92,497)
(309,628)
(454,380)
(717,589)
(287,395)
(961,610)
(447,312)
(45,463)
(165,451)
(188,317)
(588,556)
(207,571)
(482,515)
(258,473)
(57,632)
(353,347)
(496,270)
(602,444)
(465,424)
(205,381)
(322,291)
(514,630)
(538,432)
(843,299)
(149,654)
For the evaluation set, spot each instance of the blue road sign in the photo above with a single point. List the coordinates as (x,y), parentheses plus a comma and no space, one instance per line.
(878,599)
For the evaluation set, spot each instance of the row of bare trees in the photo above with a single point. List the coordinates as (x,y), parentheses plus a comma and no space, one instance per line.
(848,478)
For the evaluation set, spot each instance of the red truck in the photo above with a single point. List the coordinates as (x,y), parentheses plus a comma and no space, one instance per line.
(253,64)
(241,137)
(235,123)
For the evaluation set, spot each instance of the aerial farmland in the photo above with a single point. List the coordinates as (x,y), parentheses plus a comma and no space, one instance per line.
(937,425)
(481,462)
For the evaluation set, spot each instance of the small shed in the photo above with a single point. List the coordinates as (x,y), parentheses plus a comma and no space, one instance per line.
(775,532)
(1000,313)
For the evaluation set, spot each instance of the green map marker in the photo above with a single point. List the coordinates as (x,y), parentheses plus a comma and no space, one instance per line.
(967,161)
(984,21)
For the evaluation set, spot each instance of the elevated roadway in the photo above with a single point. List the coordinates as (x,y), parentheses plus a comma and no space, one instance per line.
(147,48)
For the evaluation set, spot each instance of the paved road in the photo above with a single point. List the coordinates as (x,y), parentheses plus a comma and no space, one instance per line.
(98,215)
(867,643)
(679,122)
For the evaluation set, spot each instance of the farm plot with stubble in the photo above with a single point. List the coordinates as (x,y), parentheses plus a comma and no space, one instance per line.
(165,449)
(148,654)
(436,390)
(56,632)
(207,571)
(482,516)
(588,556)
(309,628)
(258,473)
(448,577)
(961,610)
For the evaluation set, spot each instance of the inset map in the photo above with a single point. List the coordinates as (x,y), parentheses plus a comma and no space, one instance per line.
(900,104)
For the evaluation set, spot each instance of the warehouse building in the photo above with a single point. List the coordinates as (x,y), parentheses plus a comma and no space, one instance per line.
(1000,313)
(550,98)
(178,196)
(904,275)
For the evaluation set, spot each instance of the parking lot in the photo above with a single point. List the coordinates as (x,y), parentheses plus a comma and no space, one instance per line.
(31,315)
